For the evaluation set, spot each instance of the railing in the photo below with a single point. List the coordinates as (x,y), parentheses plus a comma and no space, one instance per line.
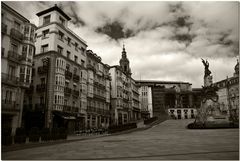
(4,28)
(30,90)
(8,105)
(26,38)
(68,74)
(42,70)
(10,79)
(16,34)
(40,107)
(67,91)
(76,78)
(99,97)
(75,93)
(67,108)
(41,87)
(89,66)
(14,56)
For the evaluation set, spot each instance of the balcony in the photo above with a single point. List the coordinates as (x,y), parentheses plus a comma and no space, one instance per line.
(29,90)
(30,39)
(76,78)
(10,79)
(10,106)
(67,91)
(91,67)
(14,56)
(16,34)
(99,97)
(40,107)
(41,88)
(76,93)
(67,108)
(4,28)
(42,70)
(68,74)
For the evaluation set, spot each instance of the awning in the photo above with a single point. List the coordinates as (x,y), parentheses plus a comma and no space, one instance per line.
(65,116)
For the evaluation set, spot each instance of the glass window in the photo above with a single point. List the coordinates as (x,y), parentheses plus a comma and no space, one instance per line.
(68,54)
(69,41)
(46,19)
(60,35)
(17,25)
(45,33)
(59,49)
(75,58)
(44,48)
(76,46)
(62,21)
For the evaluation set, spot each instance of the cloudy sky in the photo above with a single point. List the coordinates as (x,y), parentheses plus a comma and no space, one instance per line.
(163,40)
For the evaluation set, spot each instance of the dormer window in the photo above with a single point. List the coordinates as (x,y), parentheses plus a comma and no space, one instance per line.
(60,35)
(46,19)
(62,21)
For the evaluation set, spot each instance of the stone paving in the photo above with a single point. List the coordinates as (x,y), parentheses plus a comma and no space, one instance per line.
(168,140)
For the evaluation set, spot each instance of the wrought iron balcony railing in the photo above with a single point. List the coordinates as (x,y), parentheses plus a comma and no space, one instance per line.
(42,70)
(14,56)
(68,74)
(16,34)
(8,105)
(67,91)
(76,78)
(41,87)
(75,93)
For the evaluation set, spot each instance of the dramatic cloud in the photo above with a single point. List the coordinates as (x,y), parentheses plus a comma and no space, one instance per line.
(164,40)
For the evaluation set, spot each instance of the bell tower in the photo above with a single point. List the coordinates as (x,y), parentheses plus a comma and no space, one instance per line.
(124,62)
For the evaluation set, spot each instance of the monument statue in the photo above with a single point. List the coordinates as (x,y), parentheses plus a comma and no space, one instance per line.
(207,74)
(209,110)
(206,65)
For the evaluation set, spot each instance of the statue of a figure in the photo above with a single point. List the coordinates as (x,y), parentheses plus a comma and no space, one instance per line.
(206,65)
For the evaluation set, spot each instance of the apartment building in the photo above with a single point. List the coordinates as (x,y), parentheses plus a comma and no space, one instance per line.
(17,41)
(59,85)
(228,93)
(98,92)
(124,93)
(165,98)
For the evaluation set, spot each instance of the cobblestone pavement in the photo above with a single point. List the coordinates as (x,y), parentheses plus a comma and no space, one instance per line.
(168,140)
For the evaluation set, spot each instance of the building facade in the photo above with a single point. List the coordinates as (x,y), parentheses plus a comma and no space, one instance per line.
(228,94)
(98,92)
(17,41)
(59,87)
(124,93)
(174,99)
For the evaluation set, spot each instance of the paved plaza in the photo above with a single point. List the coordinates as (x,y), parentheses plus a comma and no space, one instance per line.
(168,140)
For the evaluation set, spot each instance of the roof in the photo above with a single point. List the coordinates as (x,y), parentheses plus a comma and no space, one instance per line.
(54,8)
(161,82)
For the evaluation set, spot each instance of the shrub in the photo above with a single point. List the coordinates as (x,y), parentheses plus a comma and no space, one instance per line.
(150,120)
(118,128)
(20,136)
(45,134)
(34,135)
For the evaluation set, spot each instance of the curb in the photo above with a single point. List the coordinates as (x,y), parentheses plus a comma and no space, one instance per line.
(16,147)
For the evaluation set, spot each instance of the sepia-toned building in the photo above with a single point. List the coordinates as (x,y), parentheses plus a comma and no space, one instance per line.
(228,93)
(58,94)
(166,98)
(98,92)
(17,42)
(124,93)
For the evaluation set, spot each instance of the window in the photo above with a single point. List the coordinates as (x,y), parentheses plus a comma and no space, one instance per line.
(59,49)
(16,25)
(75,70)
(42,80)
(67,67)
(11,70)
(76,46)
(75,58)
(26,30)
(62,21)
(68,54)
(3,49)
(46,19)
(60,35)
(14,48)
(69,41)
(45,32)
(44,48)
(82,62)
